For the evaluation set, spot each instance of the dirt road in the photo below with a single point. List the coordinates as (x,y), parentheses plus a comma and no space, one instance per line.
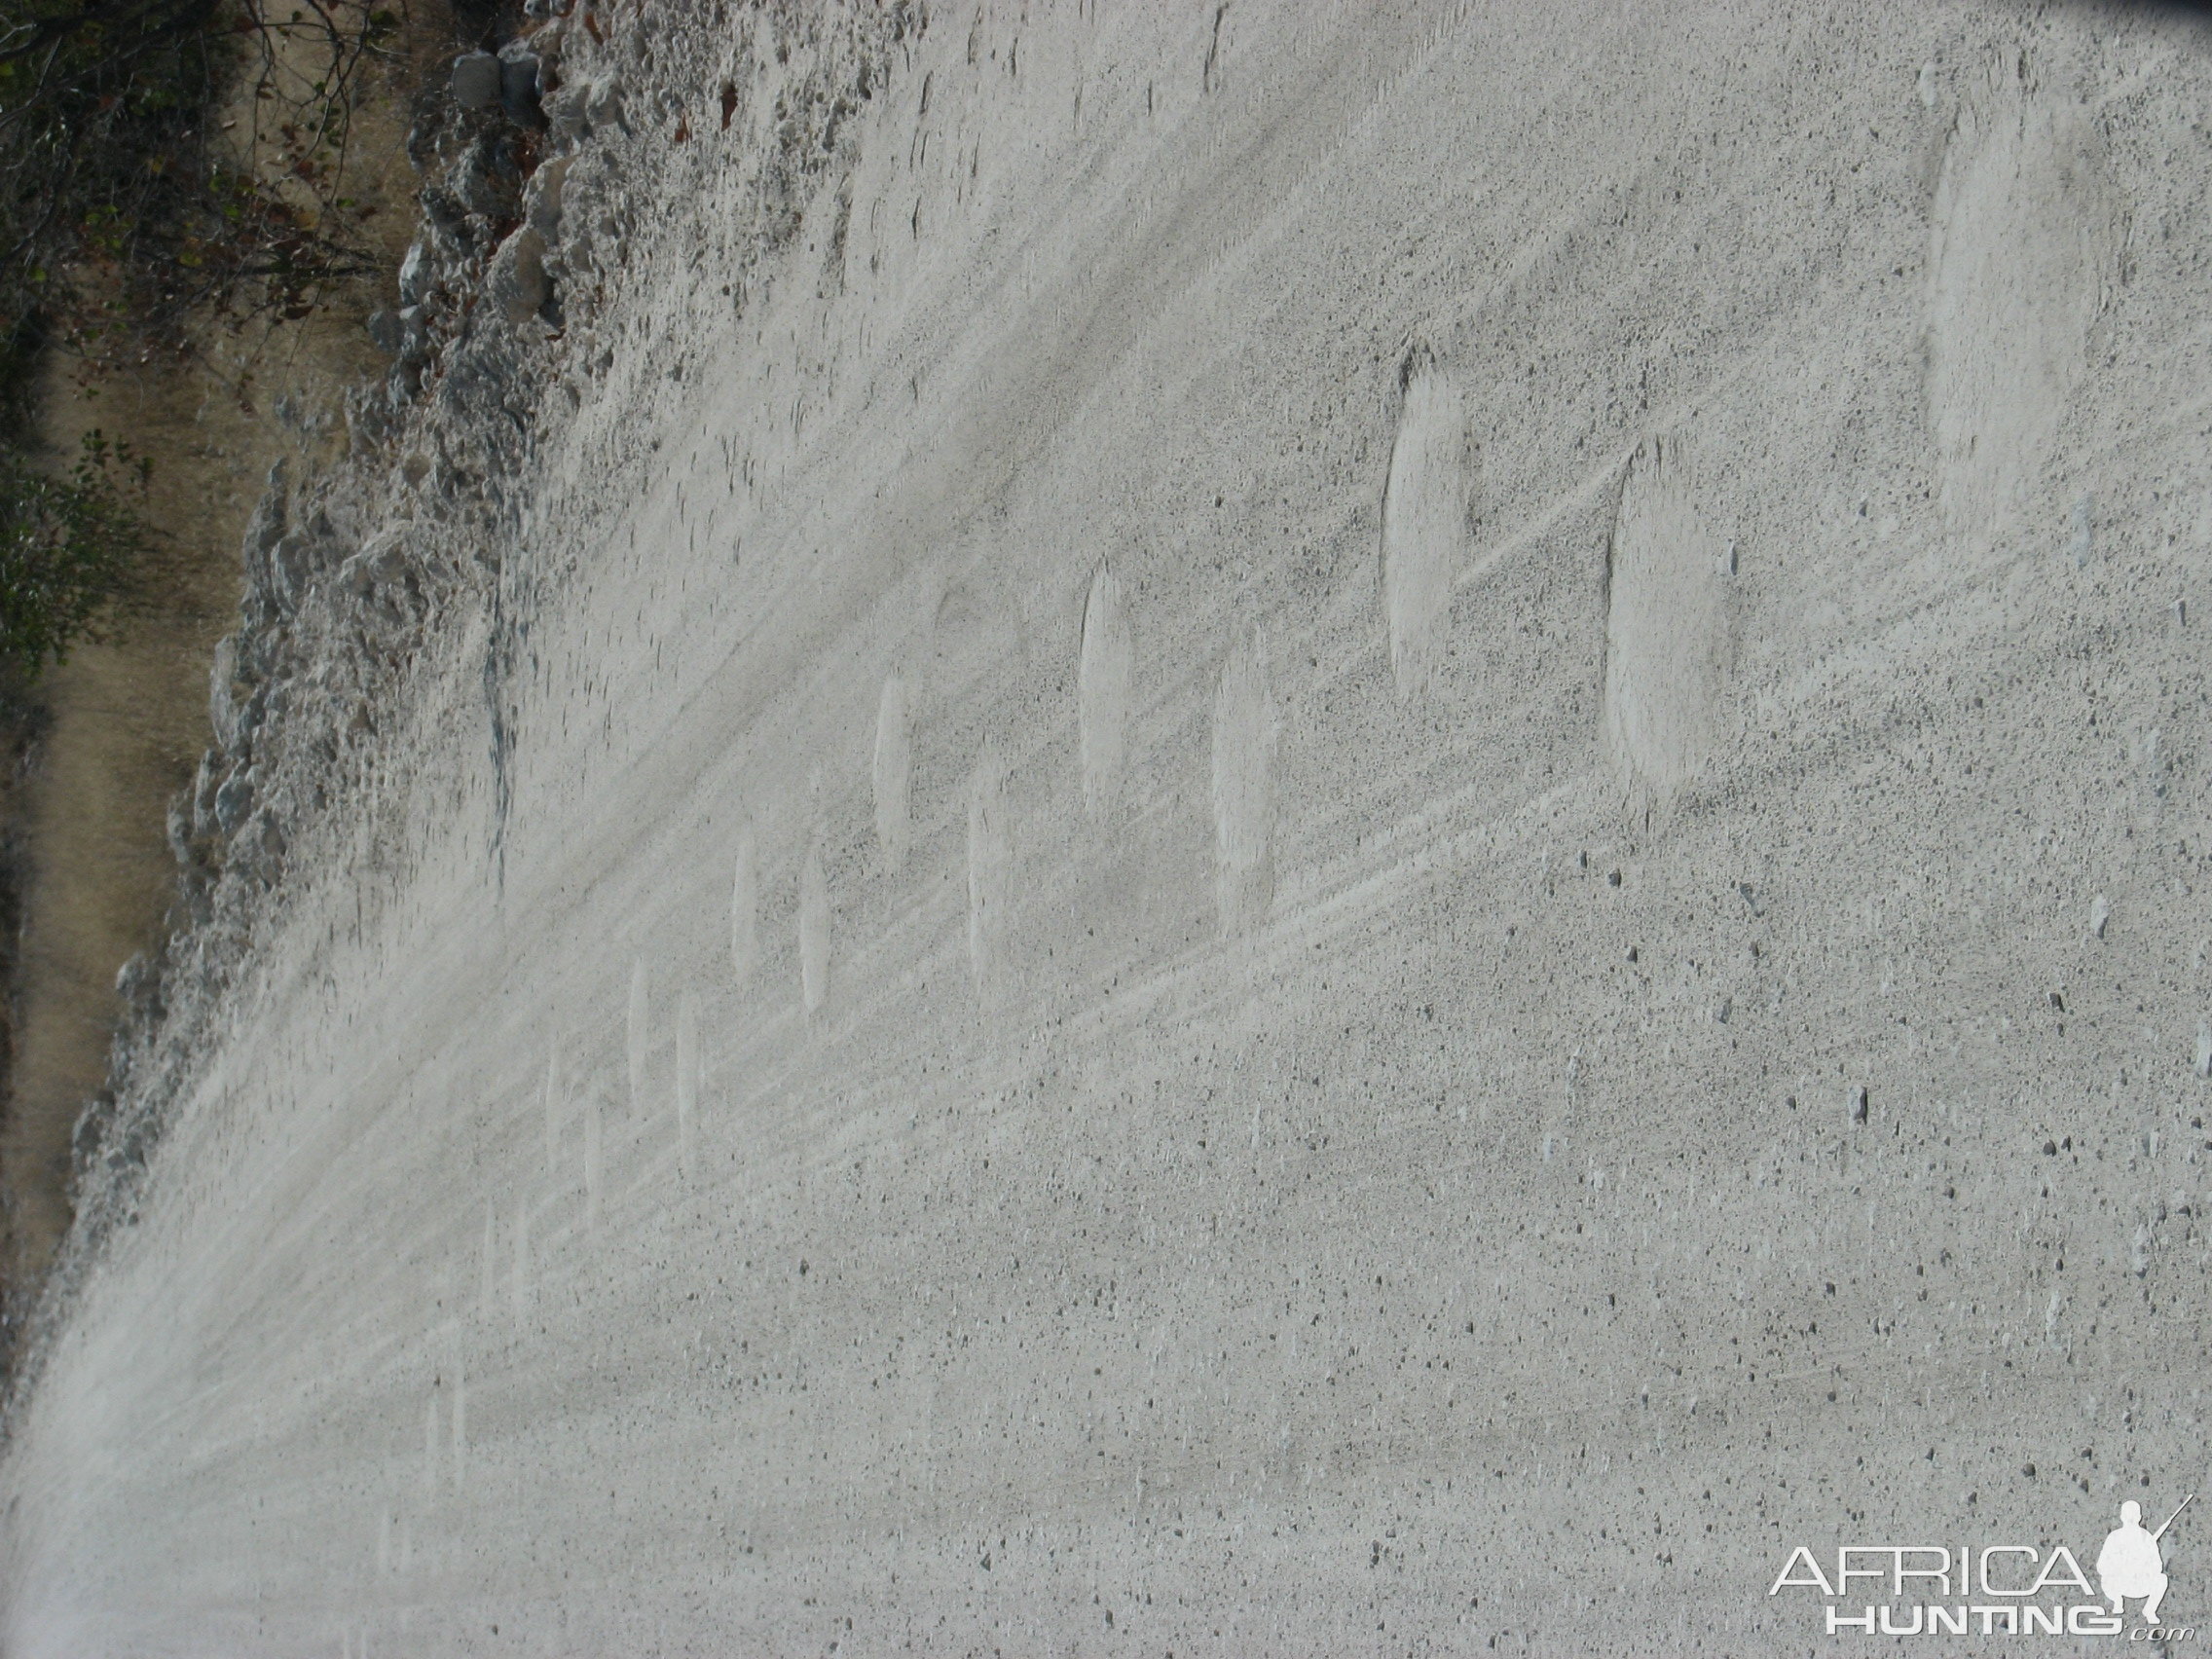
(1373,832)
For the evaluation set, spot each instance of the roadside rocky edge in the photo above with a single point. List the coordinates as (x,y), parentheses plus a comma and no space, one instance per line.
(556,173)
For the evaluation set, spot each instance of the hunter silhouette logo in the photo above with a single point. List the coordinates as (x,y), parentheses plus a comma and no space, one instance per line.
(2130,1564)
(2000,1589)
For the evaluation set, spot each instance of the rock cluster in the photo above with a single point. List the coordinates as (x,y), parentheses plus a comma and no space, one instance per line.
(541,168)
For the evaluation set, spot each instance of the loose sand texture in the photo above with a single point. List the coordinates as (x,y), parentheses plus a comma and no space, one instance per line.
(1294,828)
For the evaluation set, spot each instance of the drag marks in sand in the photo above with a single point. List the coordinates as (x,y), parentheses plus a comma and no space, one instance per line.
(553,1110)
(990,869)
(745,905)
(1426,506)
(1667,661)
(1105,667)
(687,1078)
(594,1178)
(2022,249)
(1667,635)
(893,774)
(813,932)
(639,1036)
(520,1285)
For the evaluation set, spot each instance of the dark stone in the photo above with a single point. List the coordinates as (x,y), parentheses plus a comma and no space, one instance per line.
(386,332)
(487,183)
(232,801)
(476,80)
(519,89)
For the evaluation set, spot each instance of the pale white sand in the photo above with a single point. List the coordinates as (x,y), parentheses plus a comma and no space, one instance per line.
(1194,867)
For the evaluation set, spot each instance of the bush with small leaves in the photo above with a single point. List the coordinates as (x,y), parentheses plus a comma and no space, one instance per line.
(72,548)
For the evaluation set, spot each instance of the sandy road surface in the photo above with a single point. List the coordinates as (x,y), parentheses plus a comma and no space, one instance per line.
(1387,841)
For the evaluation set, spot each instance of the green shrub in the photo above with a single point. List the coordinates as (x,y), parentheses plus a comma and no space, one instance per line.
(71,551)
(128,221)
